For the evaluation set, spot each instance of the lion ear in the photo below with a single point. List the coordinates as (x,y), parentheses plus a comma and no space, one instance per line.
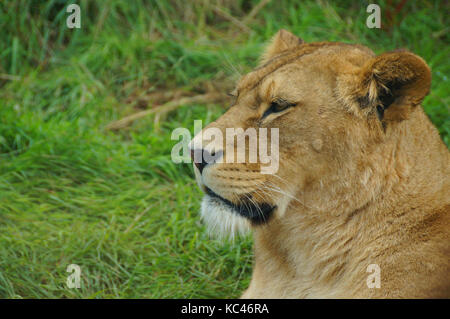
(283,40)
(394,83)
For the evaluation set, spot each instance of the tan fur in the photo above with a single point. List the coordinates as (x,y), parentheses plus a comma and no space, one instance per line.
(352,189)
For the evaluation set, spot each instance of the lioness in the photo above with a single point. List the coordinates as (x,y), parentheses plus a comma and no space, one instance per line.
(363,183)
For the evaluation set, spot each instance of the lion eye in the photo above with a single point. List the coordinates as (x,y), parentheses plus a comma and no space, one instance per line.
(277,106)
(234,95)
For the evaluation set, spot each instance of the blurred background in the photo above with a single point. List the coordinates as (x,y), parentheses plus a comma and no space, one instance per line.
(86,116)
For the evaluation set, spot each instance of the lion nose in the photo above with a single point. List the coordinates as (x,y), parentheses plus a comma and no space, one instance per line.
(202,159)
(199,160)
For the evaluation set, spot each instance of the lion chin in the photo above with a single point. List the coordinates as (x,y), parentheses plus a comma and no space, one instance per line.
(221,220)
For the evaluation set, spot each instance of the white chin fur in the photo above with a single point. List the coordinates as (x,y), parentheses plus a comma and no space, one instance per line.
(221,221)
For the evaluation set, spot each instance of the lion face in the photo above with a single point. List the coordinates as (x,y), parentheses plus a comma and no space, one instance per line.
(328,102)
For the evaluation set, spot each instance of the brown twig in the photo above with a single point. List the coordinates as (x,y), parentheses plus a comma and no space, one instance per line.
(10,77)
(165,108)
(232,19)
(255,11)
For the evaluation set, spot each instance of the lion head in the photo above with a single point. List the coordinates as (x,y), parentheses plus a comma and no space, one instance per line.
(338,110)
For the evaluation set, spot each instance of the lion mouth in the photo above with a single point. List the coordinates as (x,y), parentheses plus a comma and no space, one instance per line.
(257,213)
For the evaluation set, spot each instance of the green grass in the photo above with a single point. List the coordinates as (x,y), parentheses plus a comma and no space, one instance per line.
(72,192)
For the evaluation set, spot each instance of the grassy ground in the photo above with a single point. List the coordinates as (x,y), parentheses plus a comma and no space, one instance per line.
(113,202)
